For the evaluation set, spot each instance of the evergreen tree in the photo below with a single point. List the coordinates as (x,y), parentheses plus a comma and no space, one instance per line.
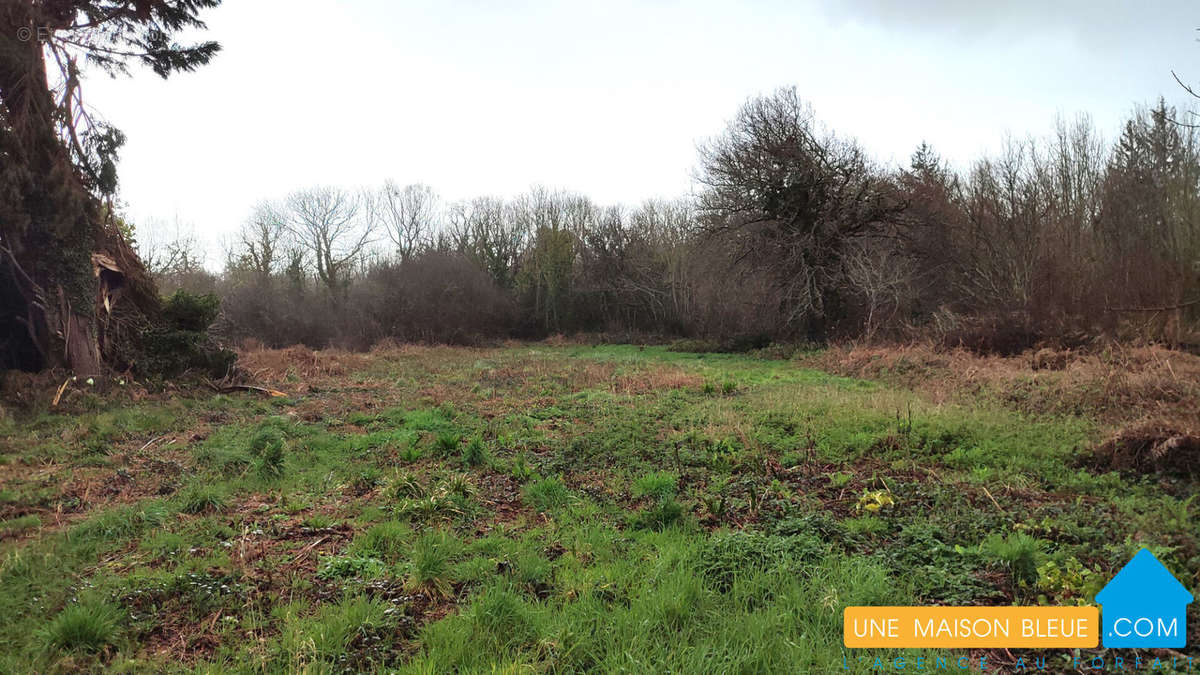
(72,289)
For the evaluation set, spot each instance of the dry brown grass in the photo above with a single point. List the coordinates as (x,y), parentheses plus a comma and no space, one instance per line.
(656,380)
(1151,447)
(273,365)
(1145,398)
(1117,385)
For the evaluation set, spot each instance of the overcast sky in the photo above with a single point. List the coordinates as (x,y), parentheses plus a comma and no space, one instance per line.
(607,98)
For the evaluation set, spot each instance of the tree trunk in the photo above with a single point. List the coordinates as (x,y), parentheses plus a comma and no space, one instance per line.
(81,347)
(50,223)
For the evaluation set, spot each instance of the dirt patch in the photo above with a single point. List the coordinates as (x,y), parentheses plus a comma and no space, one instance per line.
(502,499)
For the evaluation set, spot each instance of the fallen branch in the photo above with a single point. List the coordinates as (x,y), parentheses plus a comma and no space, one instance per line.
(989,495)
(58,396)
(151,442)
(249,387)
(305,551)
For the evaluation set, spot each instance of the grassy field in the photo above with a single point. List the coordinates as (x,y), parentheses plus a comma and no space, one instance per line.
(558,508)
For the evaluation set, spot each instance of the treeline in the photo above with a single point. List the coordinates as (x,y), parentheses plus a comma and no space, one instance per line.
(794,233)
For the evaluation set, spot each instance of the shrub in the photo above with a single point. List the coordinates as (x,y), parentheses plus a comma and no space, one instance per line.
(746,342)
(190,312)
(733,345)
(180,341)
(697,346)
(432,297)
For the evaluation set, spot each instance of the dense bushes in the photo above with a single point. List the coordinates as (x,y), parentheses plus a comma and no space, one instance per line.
(180,341)
(794,234)
(433,297)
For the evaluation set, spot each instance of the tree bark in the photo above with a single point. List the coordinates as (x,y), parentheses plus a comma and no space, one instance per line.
(50,223)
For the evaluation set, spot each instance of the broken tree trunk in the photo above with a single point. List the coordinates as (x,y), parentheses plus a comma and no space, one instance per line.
(64,259)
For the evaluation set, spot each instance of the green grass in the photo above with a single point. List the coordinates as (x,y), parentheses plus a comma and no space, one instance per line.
(19,525)
(202,498)
(514,510)
(547,494)
(388,541)
(90,627)
(429,563)
(320,641)
(474,453)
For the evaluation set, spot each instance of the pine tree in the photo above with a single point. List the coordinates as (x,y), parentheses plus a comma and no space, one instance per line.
(1153,194)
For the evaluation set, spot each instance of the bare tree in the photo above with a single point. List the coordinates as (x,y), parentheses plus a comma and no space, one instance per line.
(326,222)
(174,256)
(485,230)
(1007,205)
(663,229)
(786,197)
(409,214)
(882,277)
(169,248)
(259,248)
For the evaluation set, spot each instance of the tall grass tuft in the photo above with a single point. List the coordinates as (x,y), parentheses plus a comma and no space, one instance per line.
(202,499)
(429,565)
(547,494)
(475,453)
(84,627)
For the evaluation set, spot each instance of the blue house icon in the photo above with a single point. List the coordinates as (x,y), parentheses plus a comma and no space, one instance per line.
(1144,606)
